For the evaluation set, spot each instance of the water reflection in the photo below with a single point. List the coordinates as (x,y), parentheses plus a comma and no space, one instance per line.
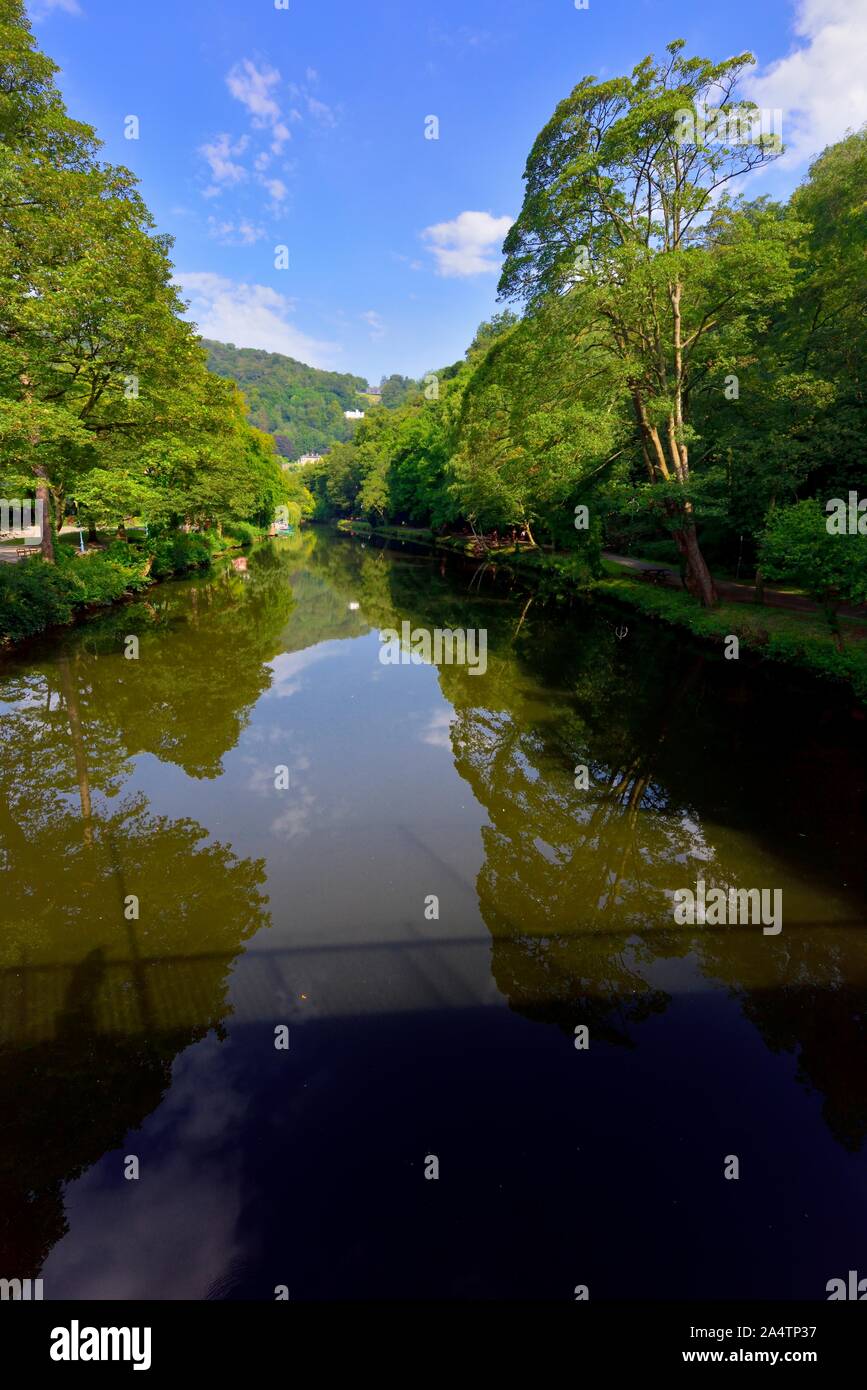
(125,779)
(694,771)
(98,992)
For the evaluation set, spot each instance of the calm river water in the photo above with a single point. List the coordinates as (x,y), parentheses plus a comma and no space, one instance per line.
(168,904)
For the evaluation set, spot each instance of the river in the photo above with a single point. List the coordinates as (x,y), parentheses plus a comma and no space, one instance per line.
(286,930)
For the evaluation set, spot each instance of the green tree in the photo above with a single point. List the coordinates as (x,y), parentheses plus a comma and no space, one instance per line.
(104,392)
(397,390)
(528,445)
(832,568)
(620,184)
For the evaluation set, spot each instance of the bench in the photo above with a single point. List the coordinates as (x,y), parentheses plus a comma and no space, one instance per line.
(656,576)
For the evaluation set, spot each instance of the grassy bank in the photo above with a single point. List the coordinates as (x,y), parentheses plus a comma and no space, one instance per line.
(800,639)
(797,638)
(389,533)
(35,596)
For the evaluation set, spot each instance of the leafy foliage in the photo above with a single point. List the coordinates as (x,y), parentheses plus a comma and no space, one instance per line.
(797,545)
(105,398)
(301,406)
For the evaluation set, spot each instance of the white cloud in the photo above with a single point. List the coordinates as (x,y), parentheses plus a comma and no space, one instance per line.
(437,731)
(375,323)
(256,89)
(463,38)
(41,9)
(224,171)
(242,233)
(281,134)
(820,87)
(252,87)
(253,316)
(465,245)
(288,668)
(277,189)
(320,112)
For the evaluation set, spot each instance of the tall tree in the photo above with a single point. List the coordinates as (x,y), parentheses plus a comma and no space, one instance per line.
(616,213)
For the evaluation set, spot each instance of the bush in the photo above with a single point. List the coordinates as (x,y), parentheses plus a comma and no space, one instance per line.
(797,545)
(33,596)
(243,532)
(177,553)
(103,577)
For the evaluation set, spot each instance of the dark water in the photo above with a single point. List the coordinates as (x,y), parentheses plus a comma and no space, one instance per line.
(408,1036)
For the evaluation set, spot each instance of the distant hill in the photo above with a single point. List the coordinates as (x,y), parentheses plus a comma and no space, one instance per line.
(301,406)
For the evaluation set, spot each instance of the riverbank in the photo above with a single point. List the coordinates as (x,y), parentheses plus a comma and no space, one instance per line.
(35,596)
(797,637)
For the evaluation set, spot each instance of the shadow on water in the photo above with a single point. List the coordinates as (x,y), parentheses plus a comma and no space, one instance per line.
(696,768)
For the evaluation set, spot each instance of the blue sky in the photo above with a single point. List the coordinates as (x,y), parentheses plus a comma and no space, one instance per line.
(305,127)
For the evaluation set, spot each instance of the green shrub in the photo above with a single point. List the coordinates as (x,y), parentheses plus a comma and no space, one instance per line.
(559,576)
(797,545)
(243,532)
(33,596)
(103,577)
(177,553)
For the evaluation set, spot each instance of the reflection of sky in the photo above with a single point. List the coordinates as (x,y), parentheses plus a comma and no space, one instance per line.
(357,749)
(167,1233)
(288,667)
(436,731)
(305,1168)
(375,818)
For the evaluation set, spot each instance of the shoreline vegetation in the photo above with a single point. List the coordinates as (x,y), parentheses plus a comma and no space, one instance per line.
(108,411)
(795,637)
(121,570)
(36,598)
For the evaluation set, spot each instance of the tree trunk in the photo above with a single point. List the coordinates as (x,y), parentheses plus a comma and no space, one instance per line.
(698,577)
(43,498)
(759,594)
(43,492)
